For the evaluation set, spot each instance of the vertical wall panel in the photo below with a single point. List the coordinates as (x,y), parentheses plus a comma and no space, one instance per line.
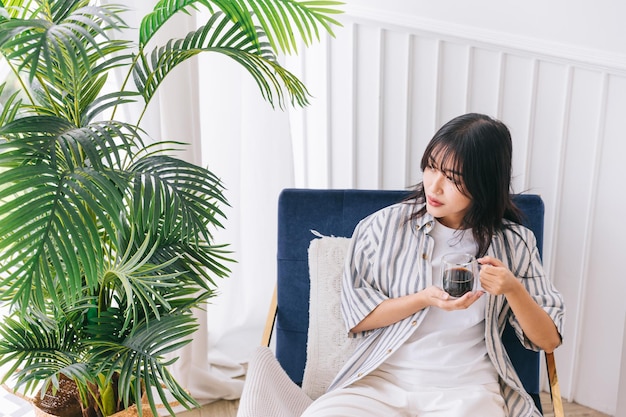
(576,180)
(368,106)
(484,81)
(515,107)
(453,74)
(609,229)
(604,307)
(317,115)
(297,126)
(423,110)
(547,133)
(342,109)
(395,107)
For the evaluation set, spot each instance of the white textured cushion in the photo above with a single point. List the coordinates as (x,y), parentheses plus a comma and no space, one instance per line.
(328,344)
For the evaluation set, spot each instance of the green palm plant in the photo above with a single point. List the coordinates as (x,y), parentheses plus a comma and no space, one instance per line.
(106,242)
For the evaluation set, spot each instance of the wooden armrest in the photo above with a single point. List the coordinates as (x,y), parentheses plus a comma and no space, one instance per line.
(271,318)
(555,391)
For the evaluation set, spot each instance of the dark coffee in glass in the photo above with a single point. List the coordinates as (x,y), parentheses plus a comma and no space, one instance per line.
(458,271)
(458,281)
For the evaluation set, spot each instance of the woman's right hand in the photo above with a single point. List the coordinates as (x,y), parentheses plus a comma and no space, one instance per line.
(437,297)
(392,310)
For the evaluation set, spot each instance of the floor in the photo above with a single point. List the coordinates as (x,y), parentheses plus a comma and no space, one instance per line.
(569,409)
(229,409)
(12,406)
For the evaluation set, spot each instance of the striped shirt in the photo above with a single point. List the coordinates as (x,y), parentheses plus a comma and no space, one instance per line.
(389,257)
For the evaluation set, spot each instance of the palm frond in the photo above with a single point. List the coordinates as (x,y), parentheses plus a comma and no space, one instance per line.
(139,358)
(36,352)
(139,284)
(278,18)
(102,103)
(60,180)
(199,265)
(177,204)
(64,45)
(221,36)
(11,106)
(161,13)
(151,70)
(271,77)
(185,196)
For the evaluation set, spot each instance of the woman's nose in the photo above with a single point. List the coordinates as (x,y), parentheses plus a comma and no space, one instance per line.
(437,182)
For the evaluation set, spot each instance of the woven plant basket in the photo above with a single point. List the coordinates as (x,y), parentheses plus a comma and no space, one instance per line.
(129,412)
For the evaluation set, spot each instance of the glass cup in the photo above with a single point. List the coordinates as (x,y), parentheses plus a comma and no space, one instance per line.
(459,273)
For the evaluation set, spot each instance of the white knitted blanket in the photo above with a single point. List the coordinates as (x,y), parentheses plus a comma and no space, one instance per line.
(268,390)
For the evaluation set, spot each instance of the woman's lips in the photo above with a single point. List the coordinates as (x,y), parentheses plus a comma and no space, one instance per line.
(433,202)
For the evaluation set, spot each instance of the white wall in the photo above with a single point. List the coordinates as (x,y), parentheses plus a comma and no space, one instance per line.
(595,25)
(554,72)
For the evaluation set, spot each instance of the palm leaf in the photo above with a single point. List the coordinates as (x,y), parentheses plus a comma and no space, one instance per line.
(77,183)
(270,78)
(63,45)
(69,57)
(279,17)
(140,358)
(198,265)
(59,229)
(221,36)
(37,352)
(188,198)
(10,107)
(140,284)
(276,17)
(102,103)
(162,12)
(177,203)
(74,97)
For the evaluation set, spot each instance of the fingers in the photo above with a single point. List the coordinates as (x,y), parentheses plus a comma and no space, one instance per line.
(435,293)
(442,295)
(460,303)
(489,260)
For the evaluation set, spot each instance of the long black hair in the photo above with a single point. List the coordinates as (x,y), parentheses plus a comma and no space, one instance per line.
(480,149)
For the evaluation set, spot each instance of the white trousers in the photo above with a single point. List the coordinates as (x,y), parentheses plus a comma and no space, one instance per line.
(376,396)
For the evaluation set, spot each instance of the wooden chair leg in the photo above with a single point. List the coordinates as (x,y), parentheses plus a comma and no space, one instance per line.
(271,319)
(555,391)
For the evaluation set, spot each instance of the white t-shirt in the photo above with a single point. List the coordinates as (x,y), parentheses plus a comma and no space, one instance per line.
(448,347)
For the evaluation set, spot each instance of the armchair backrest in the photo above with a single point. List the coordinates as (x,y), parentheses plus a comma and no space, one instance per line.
(336,213)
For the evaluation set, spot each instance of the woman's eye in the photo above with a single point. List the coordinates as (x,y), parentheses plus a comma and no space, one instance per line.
(452,179)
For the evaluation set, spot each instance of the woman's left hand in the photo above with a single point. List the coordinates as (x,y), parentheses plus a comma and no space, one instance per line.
(537,325)
(496,278)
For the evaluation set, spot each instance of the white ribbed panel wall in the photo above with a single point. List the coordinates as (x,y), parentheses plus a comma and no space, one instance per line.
(381,89)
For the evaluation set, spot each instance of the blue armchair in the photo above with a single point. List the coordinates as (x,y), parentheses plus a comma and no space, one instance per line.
(336,212)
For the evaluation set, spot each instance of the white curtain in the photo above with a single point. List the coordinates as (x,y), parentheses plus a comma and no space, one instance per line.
(247,143)
(215,106)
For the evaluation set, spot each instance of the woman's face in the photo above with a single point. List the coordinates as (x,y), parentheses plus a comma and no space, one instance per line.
(444,199)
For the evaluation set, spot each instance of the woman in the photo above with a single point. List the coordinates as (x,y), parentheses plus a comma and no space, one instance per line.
(422,352)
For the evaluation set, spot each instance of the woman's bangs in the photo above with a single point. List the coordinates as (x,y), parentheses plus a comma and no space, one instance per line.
(446,159)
